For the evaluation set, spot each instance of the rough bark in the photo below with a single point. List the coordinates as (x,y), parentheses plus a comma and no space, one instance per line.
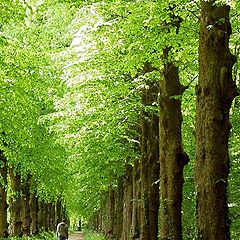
(215,93)
(3,197)
(16,204)
(172,156)
(26,218)
(149,162)
(34,213)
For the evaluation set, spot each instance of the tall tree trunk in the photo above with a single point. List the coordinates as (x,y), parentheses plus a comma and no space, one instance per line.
(149,162)
(45,216)
(172,156)
(215,93)
(34,213)
(3,197)
(52,217)
(101,225)
(40,215)
(136,226)
(111,206)
(127,207)
(58,210)
(26,218)
(16,204)
(118,225)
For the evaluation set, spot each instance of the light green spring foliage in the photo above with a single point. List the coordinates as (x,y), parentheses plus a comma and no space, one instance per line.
(235,131)
(71,86)
(234,179)
(132,33)
(94,119)
(29,83)
(11,9)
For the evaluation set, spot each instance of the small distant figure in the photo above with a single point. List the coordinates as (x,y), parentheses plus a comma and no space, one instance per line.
(80,225)
(62,230)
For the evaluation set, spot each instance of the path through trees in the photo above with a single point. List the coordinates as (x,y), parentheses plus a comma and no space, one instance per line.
(76,236)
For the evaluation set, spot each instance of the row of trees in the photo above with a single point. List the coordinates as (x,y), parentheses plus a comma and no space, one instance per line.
(132,202)
(32,164)
(98,107)
(29,213)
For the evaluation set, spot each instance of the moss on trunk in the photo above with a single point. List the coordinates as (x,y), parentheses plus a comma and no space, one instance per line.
(215,92)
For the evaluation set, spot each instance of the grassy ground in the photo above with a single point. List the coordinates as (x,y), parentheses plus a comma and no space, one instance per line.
(43,236)
(93,236)
(51,236)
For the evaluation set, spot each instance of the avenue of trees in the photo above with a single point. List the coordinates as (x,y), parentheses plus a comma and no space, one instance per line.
(124,114)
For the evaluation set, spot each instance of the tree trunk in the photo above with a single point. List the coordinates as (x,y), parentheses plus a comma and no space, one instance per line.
(118,225)
(58,210)
(16,204)
(3,197)
(215,93)
(149,162)
(40,215)
(101,225)
(26,218)
(136,226)
(52,224)
(111,206)
(34,213)
(172,156)
(127,207)
(45,217)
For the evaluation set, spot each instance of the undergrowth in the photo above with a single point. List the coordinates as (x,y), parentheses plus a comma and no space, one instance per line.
(93,236)
(42,236)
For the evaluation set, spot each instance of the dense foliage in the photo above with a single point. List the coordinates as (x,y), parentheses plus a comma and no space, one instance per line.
(71,77)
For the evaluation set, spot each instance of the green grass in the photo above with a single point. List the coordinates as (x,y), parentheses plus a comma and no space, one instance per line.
(51,236)
(93,236)
(42,236)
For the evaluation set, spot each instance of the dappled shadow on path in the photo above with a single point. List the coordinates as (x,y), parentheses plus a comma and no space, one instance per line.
(76,236)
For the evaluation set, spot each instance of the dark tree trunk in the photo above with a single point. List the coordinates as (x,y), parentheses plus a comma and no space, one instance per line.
(52,223)
(172,156)
(149,162)
(136,226)
(3,197)
(40,215)
(215,93)
(26,218)
(34,213)
(45,217)
(16,204)
(111,206)
(127,207)
(118,225)
(58,210)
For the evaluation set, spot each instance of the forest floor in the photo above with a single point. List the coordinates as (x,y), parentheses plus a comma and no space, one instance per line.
(76,236)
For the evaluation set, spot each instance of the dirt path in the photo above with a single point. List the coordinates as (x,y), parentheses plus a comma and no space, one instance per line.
(76,236)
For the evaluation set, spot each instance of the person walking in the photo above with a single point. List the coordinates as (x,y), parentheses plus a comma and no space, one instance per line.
(62,230)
